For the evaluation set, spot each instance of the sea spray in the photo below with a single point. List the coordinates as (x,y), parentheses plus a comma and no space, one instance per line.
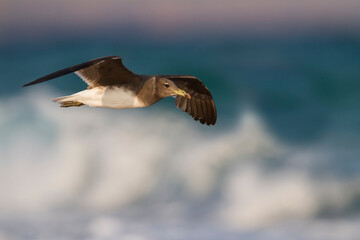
(100,159)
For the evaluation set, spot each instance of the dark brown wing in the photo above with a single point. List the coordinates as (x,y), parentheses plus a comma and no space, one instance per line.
(201,105)
(103,71)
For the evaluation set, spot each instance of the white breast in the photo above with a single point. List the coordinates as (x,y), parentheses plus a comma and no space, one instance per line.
(110,97)
(120,98)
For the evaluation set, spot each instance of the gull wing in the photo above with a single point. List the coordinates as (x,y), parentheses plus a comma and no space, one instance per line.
(103,71)
(201,105)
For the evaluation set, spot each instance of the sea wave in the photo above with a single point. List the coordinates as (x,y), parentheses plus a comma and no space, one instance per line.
(104,159)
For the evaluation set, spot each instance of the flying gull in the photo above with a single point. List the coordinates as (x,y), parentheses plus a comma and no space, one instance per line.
(112,85)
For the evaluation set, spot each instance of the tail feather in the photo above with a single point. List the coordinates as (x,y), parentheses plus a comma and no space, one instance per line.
(61,99)
(91,97)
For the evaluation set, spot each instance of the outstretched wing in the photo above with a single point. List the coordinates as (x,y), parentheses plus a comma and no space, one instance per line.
(103,71)
(201,105)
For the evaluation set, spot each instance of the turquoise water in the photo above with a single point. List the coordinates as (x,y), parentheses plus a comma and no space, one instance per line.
(282,162)
(302,83)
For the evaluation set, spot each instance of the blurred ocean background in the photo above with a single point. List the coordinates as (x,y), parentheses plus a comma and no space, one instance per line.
(282,162)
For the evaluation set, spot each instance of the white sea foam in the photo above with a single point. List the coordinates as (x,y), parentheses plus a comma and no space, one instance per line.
(103,159)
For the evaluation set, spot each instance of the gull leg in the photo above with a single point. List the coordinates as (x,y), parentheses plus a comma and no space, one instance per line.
(71,104)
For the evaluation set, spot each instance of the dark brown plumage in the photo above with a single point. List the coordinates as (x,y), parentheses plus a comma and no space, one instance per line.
(201,105)
(110,73)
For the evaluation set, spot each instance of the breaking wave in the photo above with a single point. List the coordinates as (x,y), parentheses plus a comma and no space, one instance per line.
(103,159)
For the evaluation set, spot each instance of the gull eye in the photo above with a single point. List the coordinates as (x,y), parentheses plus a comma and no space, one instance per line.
(166,85)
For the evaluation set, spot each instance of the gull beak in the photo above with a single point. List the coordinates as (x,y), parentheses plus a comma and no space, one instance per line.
(182,93)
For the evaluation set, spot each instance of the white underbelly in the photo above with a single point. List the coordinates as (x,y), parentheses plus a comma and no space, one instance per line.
(110,97)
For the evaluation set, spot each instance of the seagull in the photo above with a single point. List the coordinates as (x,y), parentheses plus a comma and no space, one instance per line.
(112,85)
